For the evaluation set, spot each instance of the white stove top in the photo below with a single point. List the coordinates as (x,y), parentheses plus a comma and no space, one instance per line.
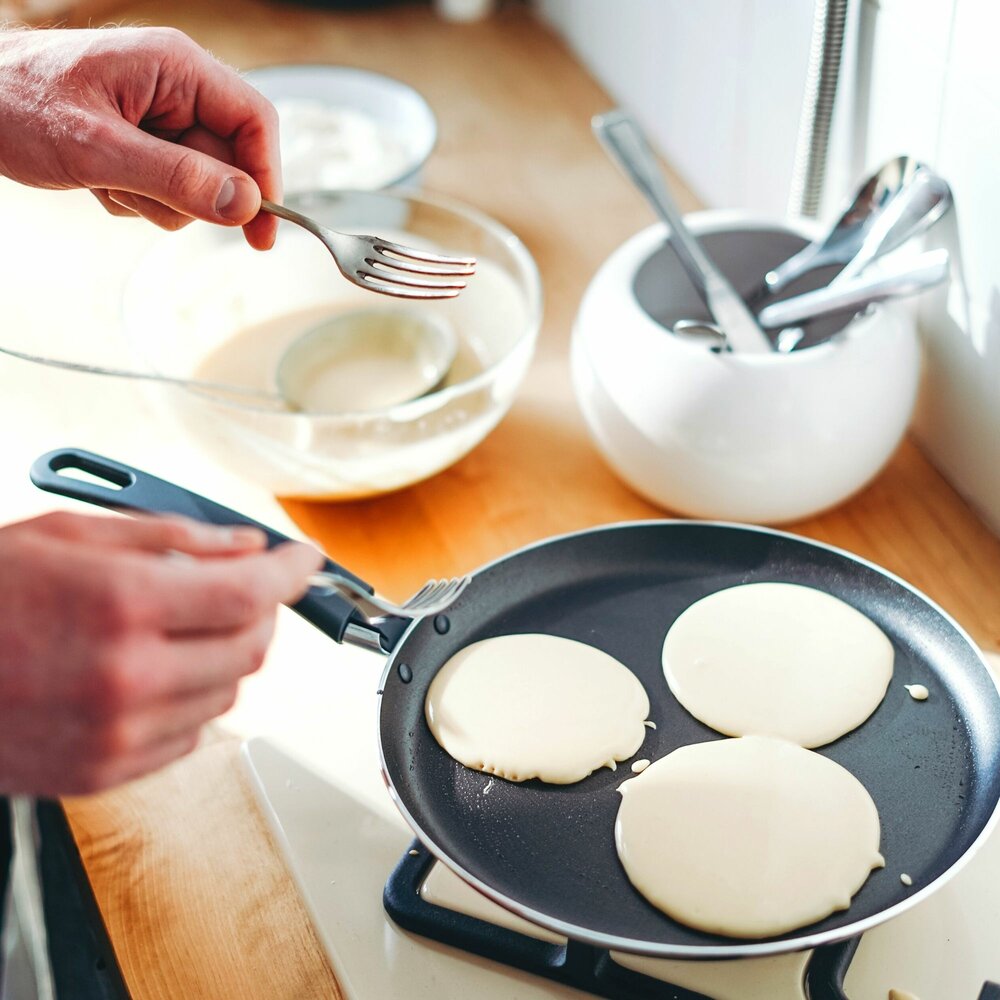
(341,839)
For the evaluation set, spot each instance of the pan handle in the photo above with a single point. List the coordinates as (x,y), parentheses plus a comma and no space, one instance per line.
(118,486)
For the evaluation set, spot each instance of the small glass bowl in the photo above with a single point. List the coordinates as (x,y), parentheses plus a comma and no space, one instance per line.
(194,290)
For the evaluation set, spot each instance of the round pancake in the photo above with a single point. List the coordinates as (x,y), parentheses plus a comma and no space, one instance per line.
(777,659)
(536,706)
(747,837)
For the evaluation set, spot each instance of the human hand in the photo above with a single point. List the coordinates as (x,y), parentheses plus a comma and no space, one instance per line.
(114,650)
(144,118)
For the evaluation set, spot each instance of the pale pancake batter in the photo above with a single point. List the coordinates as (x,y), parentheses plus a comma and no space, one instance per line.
(777,659)
(917,692)
(748,837)
(536,706)
(486,318)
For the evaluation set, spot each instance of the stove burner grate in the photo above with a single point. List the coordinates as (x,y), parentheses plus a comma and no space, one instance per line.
(581,966)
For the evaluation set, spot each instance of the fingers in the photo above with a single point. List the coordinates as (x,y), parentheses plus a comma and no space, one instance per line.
(138,764)
(221,595)
(261,230)
(204,145)
(171,719)
(111,205)
(154,534)
(196,177)
(191,666)
(114,654)
(201,140)
(231,583)
(147,708)
(124,204)
(145,740)
(185,180)
(153,211)
(229,107)
(127,203)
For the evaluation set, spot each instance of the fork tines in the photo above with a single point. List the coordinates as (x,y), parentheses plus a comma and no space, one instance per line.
(390,264)
(437,594)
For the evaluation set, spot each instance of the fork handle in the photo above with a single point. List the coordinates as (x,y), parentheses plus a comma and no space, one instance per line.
(131,490)
(290,215)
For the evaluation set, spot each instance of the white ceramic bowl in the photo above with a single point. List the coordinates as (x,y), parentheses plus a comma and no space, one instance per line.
(382,112)
(761,438)
(198,288)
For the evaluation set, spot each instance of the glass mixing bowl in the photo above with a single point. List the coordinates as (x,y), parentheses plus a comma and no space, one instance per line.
(201,303)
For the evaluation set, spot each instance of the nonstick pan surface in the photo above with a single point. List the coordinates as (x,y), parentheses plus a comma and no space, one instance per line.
(547,852)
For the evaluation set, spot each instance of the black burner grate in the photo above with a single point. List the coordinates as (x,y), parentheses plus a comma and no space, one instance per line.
(578,965)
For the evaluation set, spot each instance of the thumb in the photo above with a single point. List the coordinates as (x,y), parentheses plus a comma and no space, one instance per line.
(182,178)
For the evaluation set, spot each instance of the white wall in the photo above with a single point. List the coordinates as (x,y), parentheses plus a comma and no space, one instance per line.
(714,82)
(718,85)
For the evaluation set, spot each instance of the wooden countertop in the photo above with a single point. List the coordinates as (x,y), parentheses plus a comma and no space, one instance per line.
(196,899)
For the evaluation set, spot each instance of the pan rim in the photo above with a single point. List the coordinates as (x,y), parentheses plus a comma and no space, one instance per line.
(741,948)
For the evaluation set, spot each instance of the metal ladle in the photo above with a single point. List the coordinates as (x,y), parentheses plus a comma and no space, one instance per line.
(414,351)
(425,347)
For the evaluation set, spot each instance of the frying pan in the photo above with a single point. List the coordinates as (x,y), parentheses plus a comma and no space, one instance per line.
(546,852)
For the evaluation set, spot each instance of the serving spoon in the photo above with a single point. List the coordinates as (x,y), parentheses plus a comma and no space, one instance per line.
(856,293)
(425,348)
(902,198)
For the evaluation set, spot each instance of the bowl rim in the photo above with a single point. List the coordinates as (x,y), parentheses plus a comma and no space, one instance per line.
(398,412)
(642,245)
(432,134)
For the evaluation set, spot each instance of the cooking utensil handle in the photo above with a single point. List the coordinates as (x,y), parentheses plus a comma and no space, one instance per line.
(631,152)
(625,142)
(779,278)
(906,278)
(121,487)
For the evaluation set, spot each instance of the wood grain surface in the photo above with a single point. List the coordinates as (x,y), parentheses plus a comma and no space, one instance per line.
(197,901)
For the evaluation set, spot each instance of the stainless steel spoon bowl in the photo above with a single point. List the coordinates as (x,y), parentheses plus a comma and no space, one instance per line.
(900,200)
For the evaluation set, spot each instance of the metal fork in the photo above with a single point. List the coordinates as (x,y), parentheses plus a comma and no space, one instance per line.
(431,599)
(381,266)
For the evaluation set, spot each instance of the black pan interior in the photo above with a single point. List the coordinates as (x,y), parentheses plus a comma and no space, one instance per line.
(933,768)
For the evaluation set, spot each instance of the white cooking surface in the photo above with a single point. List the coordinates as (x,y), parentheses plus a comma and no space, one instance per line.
(340,836)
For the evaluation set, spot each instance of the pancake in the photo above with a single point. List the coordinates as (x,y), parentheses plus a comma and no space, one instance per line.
(777,659)
(536,706)
(748,837)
